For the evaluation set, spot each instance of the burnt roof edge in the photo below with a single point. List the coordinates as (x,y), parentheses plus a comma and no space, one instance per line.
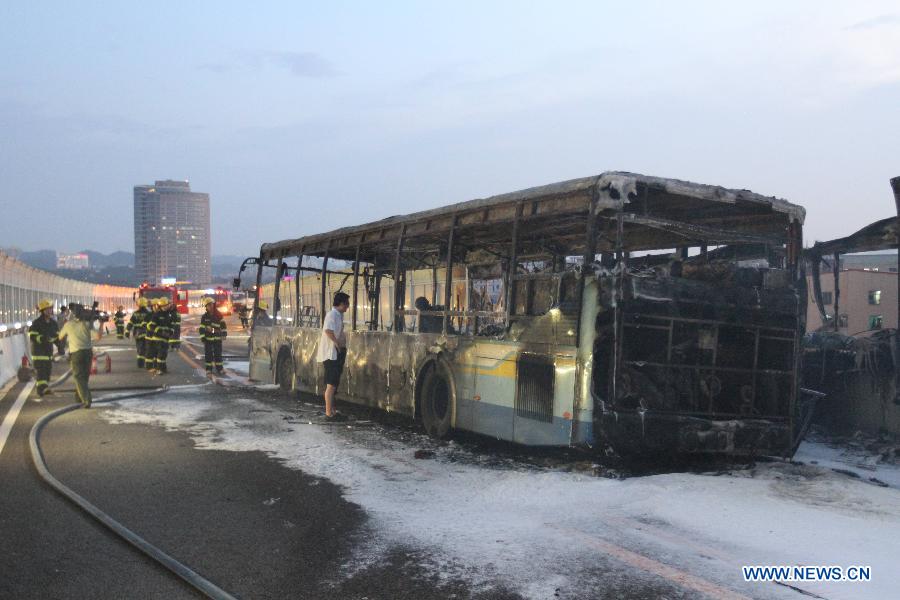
(623,182)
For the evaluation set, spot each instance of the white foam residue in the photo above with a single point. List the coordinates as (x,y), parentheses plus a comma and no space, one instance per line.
(539,530)
(241,367)
(865,464)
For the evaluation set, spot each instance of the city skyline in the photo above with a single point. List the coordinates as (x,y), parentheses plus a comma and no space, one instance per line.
(301,120)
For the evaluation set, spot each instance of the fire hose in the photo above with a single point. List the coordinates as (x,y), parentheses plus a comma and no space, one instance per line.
(182,571)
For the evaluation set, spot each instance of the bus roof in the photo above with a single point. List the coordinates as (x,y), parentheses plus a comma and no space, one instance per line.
(659,213)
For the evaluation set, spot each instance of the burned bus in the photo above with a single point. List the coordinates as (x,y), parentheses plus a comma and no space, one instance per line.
(620,310)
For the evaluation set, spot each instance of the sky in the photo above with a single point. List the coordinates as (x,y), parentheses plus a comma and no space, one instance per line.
(298,119)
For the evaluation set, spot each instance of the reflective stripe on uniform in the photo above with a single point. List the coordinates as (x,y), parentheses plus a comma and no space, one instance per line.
(39,357)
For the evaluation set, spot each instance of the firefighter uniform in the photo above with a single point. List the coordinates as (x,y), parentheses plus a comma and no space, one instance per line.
(43,333)
(137,326)
(119,320)
(212,332)
(159,330)
(175,340)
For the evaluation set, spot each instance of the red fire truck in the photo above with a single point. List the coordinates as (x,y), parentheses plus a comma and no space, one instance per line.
(222,297)
(175,296)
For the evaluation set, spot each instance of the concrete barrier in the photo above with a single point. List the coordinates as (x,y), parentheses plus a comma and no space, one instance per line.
(12,347)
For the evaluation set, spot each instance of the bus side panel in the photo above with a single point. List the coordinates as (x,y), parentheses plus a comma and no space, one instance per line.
(494,367)
(408,352)
(382,368)
(261,354)
(465,384)
(364,371)
(306,369)
(498,406)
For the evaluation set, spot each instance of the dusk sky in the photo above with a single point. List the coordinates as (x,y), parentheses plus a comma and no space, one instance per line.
(298,119)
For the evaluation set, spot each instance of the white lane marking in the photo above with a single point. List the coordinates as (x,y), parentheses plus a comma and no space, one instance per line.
(13,414)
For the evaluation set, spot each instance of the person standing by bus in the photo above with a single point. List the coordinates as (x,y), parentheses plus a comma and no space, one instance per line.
(119,319)
(333,352)
(212,331)
(137,324)
(78,332)
(43,333)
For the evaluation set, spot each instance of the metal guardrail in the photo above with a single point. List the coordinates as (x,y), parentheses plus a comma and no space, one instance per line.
(22,286)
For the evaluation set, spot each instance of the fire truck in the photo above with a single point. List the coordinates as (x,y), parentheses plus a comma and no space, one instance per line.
(174,295)
(222,296)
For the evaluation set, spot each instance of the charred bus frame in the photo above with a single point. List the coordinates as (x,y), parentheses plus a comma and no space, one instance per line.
(625,310)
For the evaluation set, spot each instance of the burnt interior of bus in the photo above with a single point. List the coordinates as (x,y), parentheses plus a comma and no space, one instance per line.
(697,336)
(699,300)
(706,329)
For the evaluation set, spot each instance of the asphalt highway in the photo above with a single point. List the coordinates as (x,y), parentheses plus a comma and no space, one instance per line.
(212,510)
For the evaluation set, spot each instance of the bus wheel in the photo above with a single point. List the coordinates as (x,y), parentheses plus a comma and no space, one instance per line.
(436,402)
(285,373)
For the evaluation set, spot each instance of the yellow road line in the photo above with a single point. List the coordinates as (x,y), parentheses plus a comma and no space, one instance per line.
(676,576)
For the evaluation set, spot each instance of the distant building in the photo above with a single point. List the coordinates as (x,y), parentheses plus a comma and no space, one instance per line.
(73,261)
(171,233)
(868,298)
(870,262)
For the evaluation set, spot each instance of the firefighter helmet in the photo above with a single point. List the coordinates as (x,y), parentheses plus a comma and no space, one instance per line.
(142,302)
(44,304)
(207,301)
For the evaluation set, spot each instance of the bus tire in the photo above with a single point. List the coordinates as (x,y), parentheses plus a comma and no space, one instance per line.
(436,401)
(284,374)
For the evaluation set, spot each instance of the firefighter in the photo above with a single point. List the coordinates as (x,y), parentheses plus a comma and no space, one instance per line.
(119,319)
(149,337)
(175,340)
(212,332)
(261,316)
(43,333)
(138,325)
(159,331)
(244,314)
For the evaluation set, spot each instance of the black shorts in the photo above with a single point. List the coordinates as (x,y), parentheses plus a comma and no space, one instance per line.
(334,368)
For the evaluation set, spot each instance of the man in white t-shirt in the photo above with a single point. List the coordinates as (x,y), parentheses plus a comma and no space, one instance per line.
(333,351)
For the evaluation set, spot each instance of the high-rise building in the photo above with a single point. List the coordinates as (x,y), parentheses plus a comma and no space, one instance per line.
(171,233)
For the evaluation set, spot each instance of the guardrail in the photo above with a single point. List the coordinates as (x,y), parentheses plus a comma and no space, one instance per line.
(22,286)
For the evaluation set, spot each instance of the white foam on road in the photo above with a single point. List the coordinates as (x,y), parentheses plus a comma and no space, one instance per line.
(241,367)
(865,464)
(539,530)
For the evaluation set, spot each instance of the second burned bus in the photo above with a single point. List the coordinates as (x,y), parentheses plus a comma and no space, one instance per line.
(620,310)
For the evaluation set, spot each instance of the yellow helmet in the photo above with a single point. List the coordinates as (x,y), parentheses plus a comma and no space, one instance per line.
(142,302)
(263,305)
(44,304)
(207,300)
